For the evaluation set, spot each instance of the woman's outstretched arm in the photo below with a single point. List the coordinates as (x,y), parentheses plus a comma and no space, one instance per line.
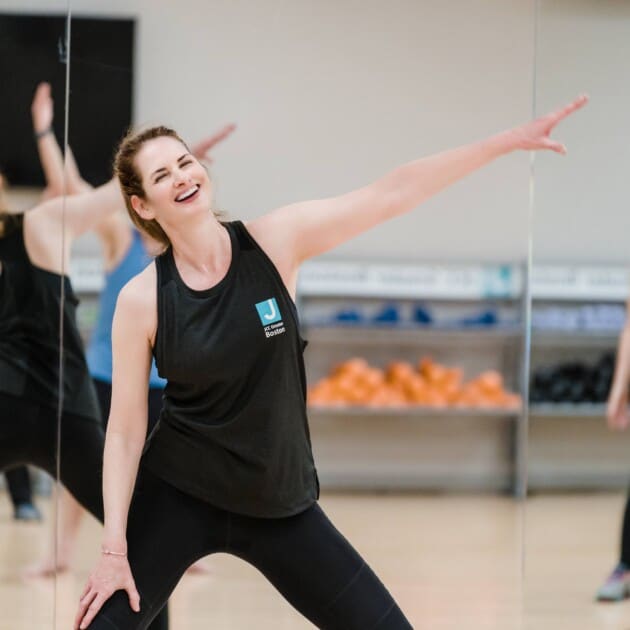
(303,230)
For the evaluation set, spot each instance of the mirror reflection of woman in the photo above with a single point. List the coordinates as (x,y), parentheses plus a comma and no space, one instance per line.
(230,466)
(31,275)
(18,479)
(32,313)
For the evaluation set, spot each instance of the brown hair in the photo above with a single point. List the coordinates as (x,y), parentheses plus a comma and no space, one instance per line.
(130,180)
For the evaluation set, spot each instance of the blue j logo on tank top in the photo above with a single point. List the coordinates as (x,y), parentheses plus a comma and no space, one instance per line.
(268,312)
(270,317)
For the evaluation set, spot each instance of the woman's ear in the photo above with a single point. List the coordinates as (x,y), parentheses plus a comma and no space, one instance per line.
(140,207)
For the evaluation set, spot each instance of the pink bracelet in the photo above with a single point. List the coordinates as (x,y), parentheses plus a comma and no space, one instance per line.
(109,552)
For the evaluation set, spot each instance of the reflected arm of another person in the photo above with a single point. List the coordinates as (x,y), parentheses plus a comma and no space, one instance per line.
(115,234)
(66,218)
(617,406)
(114,230)
(76,184)
(300,231)
(50,155)
(133,332)
(201,150)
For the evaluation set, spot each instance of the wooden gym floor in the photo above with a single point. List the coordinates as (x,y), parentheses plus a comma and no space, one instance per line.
(452,562)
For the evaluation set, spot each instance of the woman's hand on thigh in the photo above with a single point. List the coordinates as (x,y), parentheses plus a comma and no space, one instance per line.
(111,574)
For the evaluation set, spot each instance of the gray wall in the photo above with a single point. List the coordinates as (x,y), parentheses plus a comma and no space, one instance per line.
(329,95)
(582,204)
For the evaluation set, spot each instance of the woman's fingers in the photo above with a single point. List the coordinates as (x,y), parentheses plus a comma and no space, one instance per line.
(535,134)
(92,609)
(93,600)
(86,590)
(110,575)
(562,113)
(86,599)
(552,145)
(134,597)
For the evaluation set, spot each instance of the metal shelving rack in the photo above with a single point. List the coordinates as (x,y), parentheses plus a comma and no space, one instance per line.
(569,445)
(417,447)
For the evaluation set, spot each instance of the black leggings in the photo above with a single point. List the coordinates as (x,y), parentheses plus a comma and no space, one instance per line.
(28,435)
(303,556)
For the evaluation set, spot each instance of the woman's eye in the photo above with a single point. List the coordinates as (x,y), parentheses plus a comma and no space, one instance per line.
(160,177)
(186,162)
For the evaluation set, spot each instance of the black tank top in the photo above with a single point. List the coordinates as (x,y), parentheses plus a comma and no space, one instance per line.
(30,304)
(233,429)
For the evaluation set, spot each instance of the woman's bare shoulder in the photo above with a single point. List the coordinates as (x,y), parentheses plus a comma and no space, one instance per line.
(139,295)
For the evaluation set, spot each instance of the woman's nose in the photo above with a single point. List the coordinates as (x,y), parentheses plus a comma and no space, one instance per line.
(179,178)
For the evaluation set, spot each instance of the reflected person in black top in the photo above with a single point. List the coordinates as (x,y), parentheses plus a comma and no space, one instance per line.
(616,587)
(230,467)
(51,160)
(18,479)
(32,279)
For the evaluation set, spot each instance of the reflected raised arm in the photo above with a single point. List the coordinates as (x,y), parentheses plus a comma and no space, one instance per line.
(50,156)
(62,176)
(201,150)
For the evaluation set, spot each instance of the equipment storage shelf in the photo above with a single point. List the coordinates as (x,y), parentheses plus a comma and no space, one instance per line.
(568,410)
(419,412)
(577,315)
(469,320)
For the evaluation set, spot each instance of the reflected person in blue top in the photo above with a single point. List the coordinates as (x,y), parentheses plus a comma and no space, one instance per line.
(136,255)
(126,253)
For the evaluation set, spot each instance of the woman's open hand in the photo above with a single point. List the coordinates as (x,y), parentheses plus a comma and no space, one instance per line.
(534,135)
(112,574)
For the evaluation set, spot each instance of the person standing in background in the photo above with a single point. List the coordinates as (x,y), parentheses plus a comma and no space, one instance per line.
(616,587)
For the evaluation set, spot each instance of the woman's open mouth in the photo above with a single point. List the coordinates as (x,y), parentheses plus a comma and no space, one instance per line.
(188,194)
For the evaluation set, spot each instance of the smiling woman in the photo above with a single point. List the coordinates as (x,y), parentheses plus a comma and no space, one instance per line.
(159,181)
(230,466)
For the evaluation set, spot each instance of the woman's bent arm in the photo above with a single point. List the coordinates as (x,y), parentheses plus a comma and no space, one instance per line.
(132,332)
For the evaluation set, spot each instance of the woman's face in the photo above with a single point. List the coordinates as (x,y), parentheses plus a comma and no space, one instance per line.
(175,183)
